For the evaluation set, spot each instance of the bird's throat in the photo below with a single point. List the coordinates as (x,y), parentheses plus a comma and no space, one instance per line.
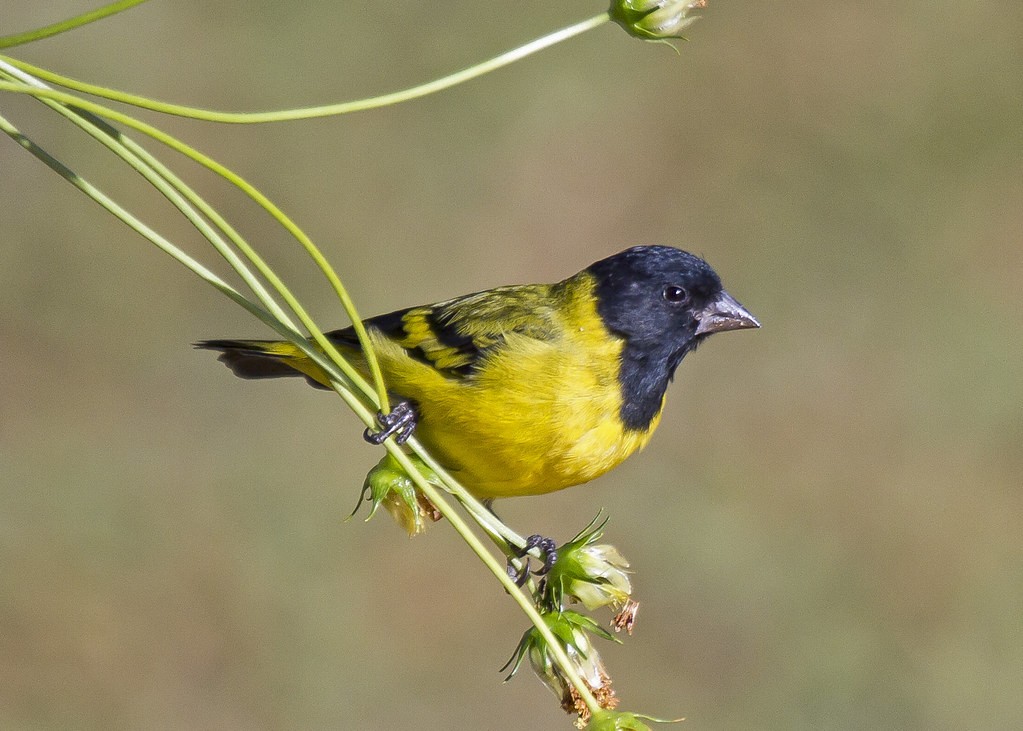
(644,377)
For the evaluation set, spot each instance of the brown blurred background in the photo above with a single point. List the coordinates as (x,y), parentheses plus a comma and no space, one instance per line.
(826,531)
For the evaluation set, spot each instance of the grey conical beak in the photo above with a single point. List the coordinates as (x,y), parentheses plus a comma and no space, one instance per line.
(724,313)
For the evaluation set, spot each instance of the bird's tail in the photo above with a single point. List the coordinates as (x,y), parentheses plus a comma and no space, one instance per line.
(265,359)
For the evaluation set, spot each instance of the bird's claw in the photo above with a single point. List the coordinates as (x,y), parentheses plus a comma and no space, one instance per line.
(518,573)
(400,424)
(548,548)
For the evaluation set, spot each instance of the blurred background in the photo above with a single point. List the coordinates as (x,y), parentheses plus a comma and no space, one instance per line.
(826,530)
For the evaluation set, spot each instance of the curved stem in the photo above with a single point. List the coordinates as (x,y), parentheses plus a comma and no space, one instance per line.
(181,195)
(380,393)
(133,222)
(17,39)
(327,110)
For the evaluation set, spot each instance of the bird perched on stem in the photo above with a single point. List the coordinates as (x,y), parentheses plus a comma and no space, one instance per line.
(527,389)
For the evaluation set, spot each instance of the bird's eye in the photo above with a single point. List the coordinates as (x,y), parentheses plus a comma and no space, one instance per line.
(674,293)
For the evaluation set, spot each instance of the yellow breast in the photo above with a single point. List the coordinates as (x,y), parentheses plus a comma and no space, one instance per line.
(538,416)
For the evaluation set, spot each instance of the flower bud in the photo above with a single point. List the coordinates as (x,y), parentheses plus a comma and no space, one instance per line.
(655,20)
(593,574)
(389,485)
(573,631)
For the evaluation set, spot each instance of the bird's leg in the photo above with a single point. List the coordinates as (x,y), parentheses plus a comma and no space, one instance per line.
(549,550)
(400,424)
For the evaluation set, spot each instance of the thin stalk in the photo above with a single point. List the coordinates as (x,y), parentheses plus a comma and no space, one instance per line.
(381,391)
(123,215)
(17,39)
(495,567)
(496,528)
(327,110)
(197,268)
(177,192)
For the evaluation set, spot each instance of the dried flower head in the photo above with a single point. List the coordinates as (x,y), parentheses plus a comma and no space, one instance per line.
(573,630)
(626,617)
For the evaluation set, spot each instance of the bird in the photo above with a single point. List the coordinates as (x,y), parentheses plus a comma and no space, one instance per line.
(528,389)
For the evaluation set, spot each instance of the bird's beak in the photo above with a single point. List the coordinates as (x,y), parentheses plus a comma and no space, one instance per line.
(724,313)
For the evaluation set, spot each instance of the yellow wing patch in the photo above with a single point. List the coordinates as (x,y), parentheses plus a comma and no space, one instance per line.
(457,336)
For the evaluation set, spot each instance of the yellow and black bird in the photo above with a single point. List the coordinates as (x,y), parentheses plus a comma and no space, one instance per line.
(527,389)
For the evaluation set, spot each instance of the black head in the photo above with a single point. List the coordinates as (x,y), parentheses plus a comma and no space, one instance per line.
(663,302)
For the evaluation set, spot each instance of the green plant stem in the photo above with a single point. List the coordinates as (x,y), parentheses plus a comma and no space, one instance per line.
(501,533)
(167,183)
(381,392)
(495,567)
(120,213)
(91,16)
(163,244)
(327,110)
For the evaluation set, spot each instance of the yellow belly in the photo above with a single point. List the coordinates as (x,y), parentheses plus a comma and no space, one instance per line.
(539,416)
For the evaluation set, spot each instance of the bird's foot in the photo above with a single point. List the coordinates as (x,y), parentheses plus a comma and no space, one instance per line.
(519,572)
(400,424)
